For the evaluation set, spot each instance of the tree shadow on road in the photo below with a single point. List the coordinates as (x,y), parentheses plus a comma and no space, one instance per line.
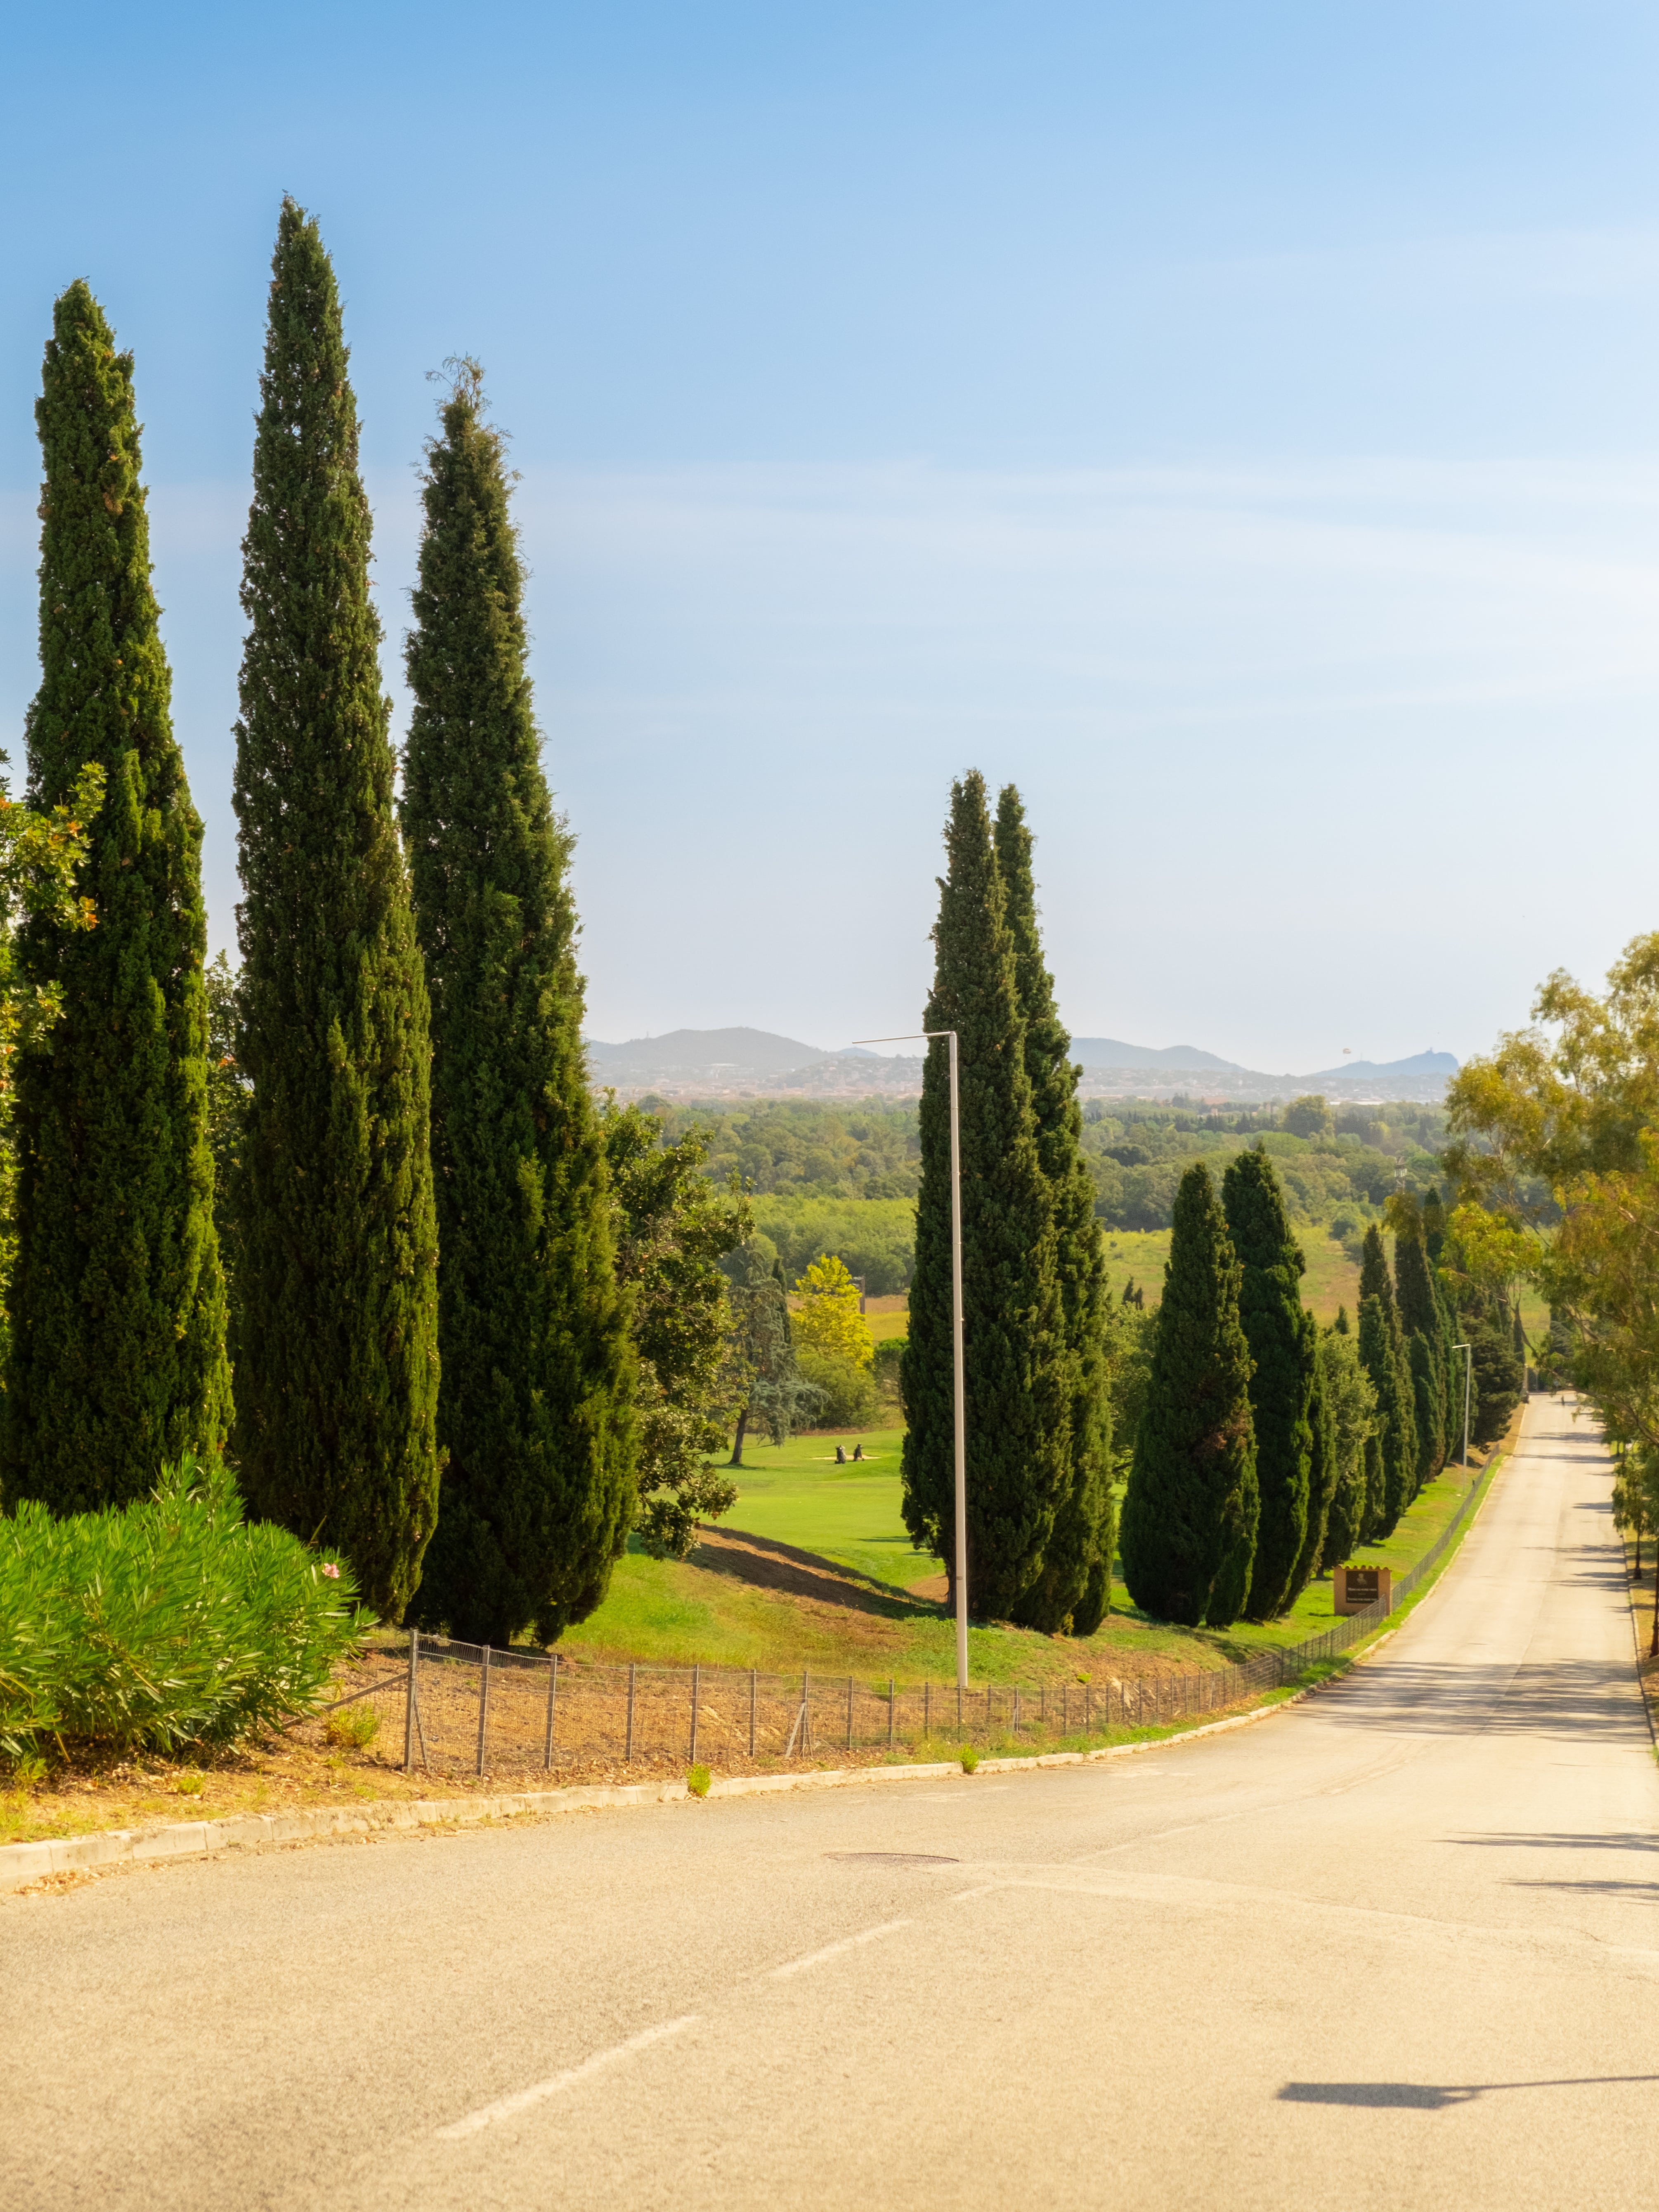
(1428,2096)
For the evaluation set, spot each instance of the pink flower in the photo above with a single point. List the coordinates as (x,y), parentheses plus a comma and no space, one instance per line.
(330,1570)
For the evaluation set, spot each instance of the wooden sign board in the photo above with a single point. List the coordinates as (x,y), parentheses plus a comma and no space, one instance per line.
(1358,1589)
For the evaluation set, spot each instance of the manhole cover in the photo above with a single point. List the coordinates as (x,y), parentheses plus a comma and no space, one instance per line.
(896,1858)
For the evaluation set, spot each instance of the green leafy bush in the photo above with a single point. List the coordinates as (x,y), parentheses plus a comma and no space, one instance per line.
(697,1780)
(847,1393)
(168,1622)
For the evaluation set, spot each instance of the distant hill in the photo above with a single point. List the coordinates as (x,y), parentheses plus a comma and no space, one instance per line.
(701,1051)
(1371,1070)
(1109,1052)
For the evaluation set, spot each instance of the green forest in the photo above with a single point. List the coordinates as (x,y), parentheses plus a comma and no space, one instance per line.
(828,1177)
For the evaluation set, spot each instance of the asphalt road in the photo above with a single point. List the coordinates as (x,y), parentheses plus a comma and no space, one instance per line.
(1396,1945)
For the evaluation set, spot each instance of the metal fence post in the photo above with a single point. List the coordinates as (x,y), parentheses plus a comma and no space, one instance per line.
(926,1707)
(753,1679)
(892,1709)
(483,1706)
(629,1751)
(552,1697)
(850,1712)
(409,1704)
(696,1694)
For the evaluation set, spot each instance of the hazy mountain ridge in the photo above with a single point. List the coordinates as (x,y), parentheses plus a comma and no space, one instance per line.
(743,1061)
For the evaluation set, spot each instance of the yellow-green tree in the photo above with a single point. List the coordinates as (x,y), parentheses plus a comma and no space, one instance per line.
(829,1321)
(1572,1121)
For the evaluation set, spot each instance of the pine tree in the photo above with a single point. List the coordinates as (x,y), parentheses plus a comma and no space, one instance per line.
(1189,1518)
(1018,1407)
(1283,1337)
(117,1360)
(1075,1585)
(336,1326)
(534,1405)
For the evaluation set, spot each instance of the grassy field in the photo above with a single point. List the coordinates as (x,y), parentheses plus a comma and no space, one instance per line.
(813,1567)
(1332,1279)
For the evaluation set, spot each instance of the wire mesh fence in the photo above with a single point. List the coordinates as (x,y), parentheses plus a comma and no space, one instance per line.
(458,1708)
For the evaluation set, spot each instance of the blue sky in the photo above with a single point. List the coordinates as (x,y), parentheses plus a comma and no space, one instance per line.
(1235,425)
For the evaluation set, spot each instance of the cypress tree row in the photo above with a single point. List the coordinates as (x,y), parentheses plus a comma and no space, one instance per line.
(335,1325)
(1382,1354)
(1283,1337)
(534,1414)
(117,1359)
(1018,1399)
(1076,1581)
(1189,1518)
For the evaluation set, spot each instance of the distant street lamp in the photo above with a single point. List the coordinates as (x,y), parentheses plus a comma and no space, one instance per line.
(909,1037)
(1469,1356)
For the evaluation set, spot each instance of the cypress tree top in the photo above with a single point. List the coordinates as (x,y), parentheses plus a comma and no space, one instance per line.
(534,1405)
(1189,1518)
(1373,1278)
(337,1377)
(1075,1581)
(1283,1345)
(117,1361)
(1018,1441)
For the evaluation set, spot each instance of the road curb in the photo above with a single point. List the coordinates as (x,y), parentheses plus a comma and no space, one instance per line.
(22,1863)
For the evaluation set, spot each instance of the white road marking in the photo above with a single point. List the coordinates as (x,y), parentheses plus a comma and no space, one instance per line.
(961,1896)
(834,1950)
(504,2108)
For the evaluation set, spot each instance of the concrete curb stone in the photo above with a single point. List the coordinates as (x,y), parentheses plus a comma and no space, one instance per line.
(22,1863)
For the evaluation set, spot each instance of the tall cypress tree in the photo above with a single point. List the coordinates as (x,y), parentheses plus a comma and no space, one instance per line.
(1324,1473)
(1018,1425)
(118,1354)
(1189,1518)
(1076,1581)
(1283,1337)
(533,1406)
(1420,1318)
(336,1319)
(1383,1354)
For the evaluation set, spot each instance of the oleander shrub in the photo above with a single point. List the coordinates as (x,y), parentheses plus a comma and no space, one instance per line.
(167,1622)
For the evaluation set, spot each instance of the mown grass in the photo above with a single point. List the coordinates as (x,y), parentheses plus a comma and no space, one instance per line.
(796,1494)
(1331,1279)
(866,1620)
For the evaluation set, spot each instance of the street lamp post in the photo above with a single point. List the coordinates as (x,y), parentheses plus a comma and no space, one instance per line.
(1469,1356)
(950,1035)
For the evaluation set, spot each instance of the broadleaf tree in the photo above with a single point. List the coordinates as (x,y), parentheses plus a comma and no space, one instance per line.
(673,1229)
